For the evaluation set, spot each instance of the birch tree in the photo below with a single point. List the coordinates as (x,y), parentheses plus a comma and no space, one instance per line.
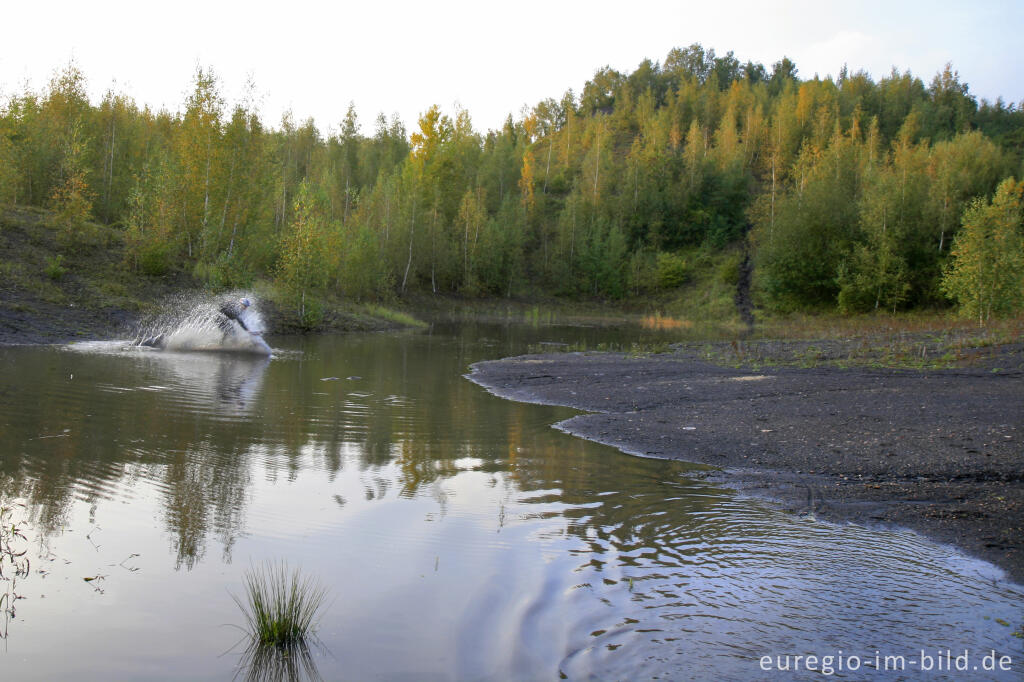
(986,273)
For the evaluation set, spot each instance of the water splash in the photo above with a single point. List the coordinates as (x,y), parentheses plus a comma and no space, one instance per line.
(195,322)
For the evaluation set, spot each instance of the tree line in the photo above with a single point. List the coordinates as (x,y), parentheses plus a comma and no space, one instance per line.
(849,193)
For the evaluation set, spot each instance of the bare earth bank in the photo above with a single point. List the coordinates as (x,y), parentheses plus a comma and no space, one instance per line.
(941,451)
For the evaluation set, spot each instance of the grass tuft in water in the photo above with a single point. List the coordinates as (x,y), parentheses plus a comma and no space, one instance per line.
(14,563)
(280,605)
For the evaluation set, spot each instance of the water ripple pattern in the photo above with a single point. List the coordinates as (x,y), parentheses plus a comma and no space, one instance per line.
(460,536)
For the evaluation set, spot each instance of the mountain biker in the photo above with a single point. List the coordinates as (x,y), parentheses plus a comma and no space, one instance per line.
(232,312)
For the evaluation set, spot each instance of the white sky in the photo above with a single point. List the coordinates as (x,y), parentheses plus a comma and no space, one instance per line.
(492,58)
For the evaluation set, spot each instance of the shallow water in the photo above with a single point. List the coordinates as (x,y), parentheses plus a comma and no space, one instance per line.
(460,536)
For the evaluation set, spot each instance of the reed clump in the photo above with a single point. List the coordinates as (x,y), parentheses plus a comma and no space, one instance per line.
(14,562)
(281,606)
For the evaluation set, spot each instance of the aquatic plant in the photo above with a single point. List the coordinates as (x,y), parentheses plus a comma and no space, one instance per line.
(16,562)
(280,605)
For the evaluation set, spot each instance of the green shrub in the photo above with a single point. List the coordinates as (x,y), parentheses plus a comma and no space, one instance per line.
(672,270)
(55,269)
(986,272)
(729,270)
(310,311)
(643,271)
(155,260)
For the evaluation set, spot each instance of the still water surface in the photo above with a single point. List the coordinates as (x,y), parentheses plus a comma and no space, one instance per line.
(459,535)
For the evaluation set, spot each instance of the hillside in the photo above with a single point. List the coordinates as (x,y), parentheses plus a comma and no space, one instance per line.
(51,292)
(848,194)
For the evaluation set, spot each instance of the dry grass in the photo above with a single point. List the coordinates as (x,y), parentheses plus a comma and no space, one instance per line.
(659,322)
(913,340)
(804,326)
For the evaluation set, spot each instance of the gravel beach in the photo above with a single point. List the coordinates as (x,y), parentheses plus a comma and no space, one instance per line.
(938,451)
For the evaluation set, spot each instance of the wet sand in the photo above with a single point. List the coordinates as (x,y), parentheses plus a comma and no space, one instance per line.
(939,451)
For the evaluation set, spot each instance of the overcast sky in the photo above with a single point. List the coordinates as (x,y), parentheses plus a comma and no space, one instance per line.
(490,58)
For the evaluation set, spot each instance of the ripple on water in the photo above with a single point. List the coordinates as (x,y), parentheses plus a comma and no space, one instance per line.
(460,536)
(803,587)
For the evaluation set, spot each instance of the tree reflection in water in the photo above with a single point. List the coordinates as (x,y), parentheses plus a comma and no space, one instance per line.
(464,534)
(204,428)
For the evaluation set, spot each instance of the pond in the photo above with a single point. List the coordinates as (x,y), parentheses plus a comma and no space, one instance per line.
(459,536)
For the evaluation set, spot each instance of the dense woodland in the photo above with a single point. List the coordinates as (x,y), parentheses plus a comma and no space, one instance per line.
(847,193)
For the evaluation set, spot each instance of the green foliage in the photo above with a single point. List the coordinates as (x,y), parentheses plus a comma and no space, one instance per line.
(643,272)
(986,273)
(967,166)
(800,251)
(729,270)
(8,170)
(72,198)
(154,260)
(363,273)
(874,274)
(223,273)
(602,263)
(865,228)
(708,297)
(55,269)
(310,311)
(150,238)
(304,267)
(872,278)
(72,202)
(854,188)
(499,259)
(672,270)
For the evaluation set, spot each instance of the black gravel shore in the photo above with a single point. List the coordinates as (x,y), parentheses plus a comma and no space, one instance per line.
(940,451)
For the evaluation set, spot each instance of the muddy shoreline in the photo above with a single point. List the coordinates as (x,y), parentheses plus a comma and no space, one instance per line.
(939,451)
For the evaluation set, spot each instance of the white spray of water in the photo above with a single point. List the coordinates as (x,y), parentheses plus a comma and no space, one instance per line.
(196,323)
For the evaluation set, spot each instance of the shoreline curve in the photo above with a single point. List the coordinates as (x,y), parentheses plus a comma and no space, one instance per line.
(940,452)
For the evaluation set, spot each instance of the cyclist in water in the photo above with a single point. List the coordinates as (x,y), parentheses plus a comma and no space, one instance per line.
(230,317)
(233,312)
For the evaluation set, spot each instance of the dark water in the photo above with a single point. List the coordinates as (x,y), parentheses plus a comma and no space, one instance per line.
(459,535)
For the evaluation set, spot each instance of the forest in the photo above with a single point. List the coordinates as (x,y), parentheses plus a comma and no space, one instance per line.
(845,194)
